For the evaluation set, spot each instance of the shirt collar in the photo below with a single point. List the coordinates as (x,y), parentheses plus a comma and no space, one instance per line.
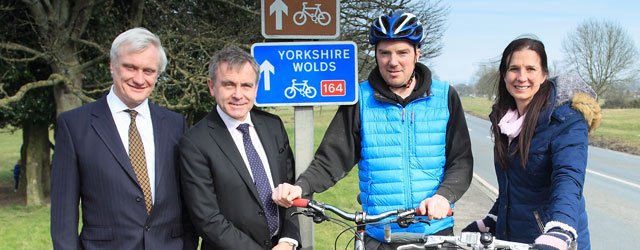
(231,123)
(116,105)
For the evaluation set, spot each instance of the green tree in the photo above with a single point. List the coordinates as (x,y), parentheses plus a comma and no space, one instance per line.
(69,42)
(47,54)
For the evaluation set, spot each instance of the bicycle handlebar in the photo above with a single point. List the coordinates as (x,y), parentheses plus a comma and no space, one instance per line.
(358,217)
(316,210)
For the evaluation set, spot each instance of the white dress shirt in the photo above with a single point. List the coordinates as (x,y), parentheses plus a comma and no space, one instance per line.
(145,128)
(232,125)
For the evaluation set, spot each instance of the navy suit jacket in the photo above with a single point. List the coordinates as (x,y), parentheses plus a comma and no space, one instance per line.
(219,192)
(92,168)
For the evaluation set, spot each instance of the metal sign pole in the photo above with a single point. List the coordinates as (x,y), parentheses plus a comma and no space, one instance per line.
(304,139)
(304,74)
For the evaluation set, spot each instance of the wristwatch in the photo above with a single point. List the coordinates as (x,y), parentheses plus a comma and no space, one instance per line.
(293,246)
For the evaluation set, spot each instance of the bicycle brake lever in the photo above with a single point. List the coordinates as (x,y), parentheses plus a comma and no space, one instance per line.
(317,217)
(403,223)
(423,221)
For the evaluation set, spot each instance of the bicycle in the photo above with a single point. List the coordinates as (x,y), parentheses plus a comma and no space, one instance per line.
(315,13)
(300,87)
(466,240)
(316,210)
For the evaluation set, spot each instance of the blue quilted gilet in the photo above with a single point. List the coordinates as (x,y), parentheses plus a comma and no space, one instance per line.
(403,155)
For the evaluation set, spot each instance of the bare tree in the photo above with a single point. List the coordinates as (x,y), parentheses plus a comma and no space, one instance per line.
(603,54)
(356,18)
(487,77)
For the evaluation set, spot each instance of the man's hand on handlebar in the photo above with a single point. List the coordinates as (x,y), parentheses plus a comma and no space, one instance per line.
(284,194)
(435,207)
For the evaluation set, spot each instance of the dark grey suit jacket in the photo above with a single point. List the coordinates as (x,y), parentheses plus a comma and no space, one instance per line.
(91,166)
(219,192)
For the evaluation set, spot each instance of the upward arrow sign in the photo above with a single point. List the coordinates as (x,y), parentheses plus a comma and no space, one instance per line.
(278,7)
(266,67)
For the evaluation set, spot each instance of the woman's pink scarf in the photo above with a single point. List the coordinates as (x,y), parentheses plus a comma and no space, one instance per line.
(510,124)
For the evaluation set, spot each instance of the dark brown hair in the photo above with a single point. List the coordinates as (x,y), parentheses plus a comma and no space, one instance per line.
(504,102)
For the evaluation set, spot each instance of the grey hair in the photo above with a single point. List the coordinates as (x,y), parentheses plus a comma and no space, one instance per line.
(138,39)
(235,58)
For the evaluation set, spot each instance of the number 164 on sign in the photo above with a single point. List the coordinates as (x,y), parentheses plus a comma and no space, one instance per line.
(332,88)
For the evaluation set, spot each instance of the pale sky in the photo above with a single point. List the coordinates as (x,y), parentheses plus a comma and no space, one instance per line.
(478,31)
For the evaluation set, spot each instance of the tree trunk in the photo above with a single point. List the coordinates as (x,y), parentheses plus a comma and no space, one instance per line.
(69,65)
(46,168)
(23,163)
(37,162)
(65,99)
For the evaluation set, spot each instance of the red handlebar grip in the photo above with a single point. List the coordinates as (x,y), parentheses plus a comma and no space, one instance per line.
(300,202)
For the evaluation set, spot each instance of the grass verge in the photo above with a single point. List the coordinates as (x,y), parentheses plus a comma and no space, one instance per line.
(619,130)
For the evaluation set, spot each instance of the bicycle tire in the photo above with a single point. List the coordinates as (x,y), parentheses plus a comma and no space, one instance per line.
(324,18)
(299,18)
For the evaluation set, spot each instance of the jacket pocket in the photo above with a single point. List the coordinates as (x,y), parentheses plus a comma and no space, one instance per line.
(176,230)
(538,159)
(97,233)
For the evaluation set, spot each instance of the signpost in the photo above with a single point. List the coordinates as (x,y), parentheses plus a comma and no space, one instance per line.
(306,73)
(300,19)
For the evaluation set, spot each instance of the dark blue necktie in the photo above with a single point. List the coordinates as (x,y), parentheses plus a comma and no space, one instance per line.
(260,179)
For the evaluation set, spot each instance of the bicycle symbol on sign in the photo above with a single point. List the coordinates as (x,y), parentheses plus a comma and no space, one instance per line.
(300,87)
(315,13)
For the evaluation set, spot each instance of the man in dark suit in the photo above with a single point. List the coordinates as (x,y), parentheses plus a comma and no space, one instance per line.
(231,160)
(118,158)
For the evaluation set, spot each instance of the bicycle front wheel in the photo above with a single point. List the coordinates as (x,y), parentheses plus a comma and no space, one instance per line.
(299,18)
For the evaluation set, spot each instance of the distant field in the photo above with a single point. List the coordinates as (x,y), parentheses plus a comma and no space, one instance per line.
(22,227)
(10,142)
(619,130)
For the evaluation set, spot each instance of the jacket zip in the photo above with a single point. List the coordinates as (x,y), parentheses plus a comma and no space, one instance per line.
(405,160)
(536,215)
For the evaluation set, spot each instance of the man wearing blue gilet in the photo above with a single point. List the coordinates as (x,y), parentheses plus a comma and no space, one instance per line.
(407,133)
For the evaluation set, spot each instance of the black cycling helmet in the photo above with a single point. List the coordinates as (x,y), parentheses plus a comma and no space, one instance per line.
(396,25)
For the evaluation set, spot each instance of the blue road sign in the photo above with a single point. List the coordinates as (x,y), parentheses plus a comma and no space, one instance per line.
(306,73)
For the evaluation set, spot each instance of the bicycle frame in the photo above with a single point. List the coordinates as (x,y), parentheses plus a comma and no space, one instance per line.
(300,86)
(310,11)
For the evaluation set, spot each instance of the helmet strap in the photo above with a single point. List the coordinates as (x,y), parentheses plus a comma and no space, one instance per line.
(410,79)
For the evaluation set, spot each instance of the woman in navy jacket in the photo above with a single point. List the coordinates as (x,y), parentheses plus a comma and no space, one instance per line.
(541,130)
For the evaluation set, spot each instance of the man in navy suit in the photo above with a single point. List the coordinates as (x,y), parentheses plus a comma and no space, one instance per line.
(122,207)
(231,160)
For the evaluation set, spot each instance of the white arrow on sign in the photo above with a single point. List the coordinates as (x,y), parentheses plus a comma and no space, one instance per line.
(267,68)
(278,7)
